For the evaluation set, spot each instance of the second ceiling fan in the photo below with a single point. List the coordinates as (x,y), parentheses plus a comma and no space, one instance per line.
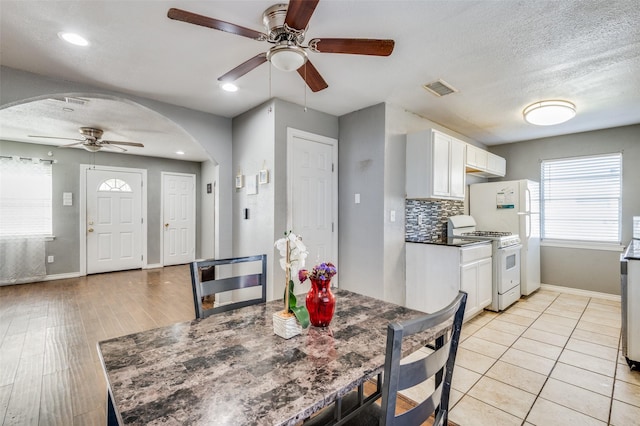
(286,26)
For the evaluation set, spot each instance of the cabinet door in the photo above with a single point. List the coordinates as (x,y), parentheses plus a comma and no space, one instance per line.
(469,284)
(497,165)
(457,169)
(485,275)
(440,171)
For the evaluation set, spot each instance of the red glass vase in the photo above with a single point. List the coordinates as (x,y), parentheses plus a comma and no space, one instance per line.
(321,303)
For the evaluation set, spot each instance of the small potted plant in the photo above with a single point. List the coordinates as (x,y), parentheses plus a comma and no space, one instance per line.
(293,318)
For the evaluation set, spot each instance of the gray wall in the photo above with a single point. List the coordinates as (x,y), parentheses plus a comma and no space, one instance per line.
(66,178)
(361,171)
(594,270)
(260,141)
(212,132)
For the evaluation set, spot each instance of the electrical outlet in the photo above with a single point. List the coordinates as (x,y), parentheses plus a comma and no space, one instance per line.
(49,259)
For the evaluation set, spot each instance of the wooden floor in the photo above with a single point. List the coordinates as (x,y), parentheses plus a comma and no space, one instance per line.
(50,373)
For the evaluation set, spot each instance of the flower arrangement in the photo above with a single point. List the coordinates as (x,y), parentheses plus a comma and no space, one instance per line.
(322,271)
(294,254)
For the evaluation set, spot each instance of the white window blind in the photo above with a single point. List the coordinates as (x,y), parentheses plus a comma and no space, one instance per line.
(25,197)
(582,198)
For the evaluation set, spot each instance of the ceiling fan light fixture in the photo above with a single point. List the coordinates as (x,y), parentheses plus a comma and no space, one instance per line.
(91,148)
(287,57)
(548,113)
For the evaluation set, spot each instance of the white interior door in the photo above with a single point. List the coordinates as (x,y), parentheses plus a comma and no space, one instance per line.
(179,218)
(313,194)
(113,220)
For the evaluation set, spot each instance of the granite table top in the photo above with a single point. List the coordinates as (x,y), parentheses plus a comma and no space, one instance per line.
(230,369)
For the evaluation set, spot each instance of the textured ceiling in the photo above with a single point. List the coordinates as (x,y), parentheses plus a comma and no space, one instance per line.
(499,55)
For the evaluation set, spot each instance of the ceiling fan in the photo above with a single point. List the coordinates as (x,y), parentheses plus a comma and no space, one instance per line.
(286,26)
(91,140)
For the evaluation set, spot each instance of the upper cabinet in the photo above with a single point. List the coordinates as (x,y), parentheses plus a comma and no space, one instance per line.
(484,164)
(435,166)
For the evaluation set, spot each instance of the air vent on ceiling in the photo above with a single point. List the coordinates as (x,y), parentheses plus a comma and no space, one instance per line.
(440,88)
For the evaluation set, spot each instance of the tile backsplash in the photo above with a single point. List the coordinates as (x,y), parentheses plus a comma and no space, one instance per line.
(426,220)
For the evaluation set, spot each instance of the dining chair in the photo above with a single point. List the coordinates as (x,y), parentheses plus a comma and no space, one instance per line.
(205,283)
(437,366)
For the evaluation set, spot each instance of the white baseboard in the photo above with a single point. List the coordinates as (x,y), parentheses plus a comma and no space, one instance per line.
(62,276)
(152,266)
(580,292)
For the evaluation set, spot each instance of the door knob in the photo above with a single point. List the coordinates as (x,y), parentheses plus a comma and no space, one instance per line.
(166,225)
(90,229)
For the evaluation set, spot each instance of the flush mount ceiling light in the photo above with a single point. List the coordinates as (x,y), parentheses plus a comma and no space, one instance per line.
(73,38)
(287,57)
(547,113)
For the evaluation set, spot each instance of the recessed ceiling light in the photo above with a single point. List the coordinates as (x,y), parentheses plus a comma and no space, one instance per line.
(547,113)
(180,152)
(73,38)
(229,87)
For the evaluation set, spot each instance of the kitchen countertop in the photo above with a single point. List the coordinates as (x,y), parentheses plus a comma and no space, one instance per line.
(451,242)
(633,251)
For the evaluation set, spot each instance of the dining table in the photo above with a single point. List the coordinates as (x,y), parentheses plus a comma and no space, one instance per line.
(231,369)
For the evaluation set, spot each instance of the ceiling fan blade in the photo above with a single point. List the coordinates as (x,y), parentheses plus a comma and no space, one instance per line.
(71,144)
(312,77)
(244,68)
(299,13)
(216,24)
(111,146)
(121,143)
(355,46)
(55,137)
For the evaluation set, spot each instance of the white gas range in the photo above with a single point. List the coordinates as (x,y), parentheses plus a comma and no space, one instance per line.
(505,259)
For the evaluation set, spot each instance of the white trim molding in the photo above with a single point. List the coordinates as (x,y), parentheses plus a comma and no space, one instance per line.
(152,266)
(580,292)
(65,276)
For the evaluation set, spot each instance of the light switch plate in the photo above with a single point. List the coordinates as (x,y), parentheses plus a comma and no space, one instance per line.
(357,198)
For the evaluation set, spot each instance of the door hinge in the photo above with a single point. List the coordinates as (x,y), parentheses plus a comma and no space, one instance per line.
(331,226)
(332,168)
(142,220)
(141,257)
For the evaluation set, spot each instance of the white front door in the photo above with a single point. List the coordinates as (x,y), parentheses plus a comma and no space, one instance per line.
(179,218)
(113,220)
(313,194)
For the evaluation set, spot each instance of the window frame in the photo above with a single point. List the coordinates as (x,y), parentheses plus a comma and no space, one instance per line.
(573,243)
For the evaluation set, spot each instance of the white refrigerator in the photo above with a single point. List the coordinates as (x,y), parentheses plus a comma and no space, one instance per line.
(512,206)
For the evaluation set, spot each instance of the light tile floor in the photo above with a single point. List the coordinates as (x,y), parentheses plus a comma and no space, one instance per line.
(550,359)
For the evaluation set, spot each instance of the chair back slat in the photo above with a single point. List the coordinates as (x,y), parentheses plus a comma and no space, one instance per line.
(418,371)
(213,286)
(418,414)
(438,364)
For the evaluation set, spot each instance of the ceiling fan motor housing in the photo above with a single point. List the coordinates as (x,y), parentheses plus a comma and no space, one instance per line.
(277,31)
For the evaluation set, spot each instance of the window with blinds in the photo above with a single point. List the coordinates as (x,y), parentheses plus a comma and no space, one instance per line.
(25,197)
(582,198)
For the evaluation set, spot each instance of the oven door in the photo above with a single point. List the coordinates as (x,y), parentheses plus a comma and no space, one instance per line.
(508,268)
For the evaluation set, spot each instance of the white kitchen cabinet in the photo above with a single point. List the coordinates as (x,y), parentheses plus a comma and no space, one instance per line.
(476,281)
(477,158)
(483,163)
(496,165)
(435,166)
(435,273)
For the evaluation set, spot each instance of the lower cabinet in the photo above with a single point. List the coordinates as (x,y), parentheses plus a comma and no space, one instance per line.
(475,279)
(435,273)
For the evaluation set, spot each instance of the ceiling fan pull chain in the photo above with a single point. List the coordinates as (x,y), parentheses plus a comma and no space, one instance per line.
(305,87)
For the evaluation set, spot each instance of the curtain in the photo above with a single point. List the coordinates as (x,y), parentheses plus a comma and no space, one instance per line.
(22,260)
(25,218)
